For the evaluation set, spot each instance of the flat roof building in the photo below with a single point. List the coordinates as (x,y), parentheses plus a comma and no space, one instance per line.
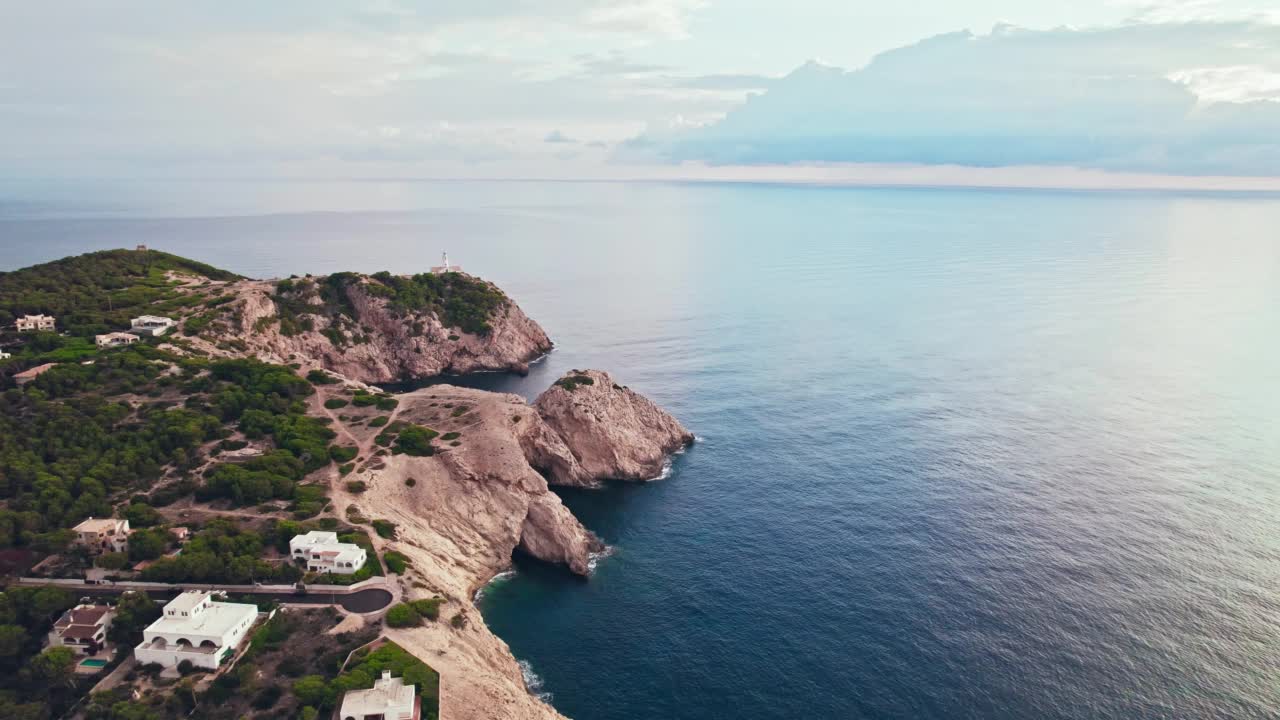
(103,534)
(388,699)
(150,325)
(197,628)
(323,553)
(115,339)
(33,323)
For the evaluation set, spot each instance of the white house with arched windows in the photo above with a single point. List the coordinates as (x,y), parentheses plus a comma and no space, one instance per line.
(195,627)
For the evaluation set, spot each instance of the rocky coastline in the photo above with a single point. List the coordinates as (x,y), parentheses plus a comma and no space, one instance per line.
(462,512)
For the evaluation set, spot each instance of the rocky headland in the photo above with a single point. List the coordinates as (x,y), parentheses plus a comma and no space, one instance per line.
(463,475)
(483,495)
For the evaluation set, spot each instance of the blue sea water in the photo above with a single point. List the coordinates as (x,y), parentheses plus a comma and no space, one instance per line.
(962,453)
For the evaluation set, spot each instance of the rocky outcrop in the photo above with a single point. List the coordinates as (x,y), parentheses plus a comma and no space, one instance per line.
(374,342)
(599,430)
(462,512)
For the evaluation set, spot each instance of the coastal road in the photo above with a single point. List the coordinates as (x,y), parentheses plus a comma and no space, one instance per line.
(361,601)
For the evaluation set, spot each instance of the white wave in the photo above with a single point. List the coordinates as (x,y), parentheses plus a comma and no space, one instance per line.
(666,471)
(594,558)
(495,580)
(532,681)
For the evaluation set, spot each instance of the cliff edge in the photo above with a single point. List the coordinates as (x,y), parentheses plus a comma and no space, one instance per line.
(373,328)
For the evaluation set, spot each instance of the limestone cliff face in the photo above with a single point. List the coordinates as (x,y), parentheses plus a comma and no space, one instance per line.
(596,429)
(376,343)
(462,512)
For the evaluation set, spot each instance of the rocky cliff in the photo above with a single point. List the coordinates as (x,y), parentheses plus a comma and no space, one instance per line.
(482,495)
(599,430)
(375,330)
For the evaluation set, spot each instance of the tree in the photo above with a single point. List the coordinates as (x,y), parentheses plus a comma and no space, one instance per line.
(311,690)
(148,544)
(112,561)
(134,611)
(13,641)
(51,669)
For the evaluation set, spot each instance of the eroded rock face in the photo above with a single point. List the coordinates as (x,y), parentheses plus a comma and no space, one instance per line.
(600,430)
(380,345)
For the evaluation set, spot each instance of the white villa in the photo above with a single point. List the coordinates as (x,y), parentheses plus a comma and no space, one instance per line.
(32,323)
(115,339)
(103,534)
(4,355)
(324,553)
(444,266)
(195,627)
(150,325)
(83,629)
(389,699)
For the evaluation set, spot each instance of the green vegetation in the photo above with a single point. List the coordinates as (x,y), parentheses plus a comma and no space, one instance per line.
(99,292)
(34,685)
(416,440)
(317,692)
(335,403)
(320,377)
(379,421)
(381,401)
(414,612)
(356,486)
(571,382)
(458,300)
(385,529)
(342,453)
(223,552)
(396,562)
(449,436)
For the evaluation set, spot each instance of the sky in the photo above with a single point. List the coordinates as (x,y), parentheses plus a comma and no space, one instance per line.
(1091,92)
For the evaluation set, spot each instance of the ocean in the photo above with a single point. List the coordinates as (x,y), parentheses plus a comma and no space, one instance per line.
(962,453)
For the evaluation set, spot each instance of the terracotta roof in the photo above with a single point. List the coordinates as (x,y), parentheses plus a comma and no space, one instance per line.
(89,615)
(79,632)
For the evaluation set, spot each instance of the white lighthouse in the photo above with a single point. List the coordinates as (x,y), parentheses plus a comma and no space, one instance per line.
(444,266)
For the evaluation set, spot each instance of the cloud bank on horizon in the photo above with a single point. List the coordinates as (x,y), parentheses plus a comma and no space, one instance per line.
(636,88)
(1191,98)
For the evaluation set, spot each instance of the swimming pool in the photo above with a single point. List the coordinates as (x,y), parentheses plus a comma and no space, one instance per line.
(93,663)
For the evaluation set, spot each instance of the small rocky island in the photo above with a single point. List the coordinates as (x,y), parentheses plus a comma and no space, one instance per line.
(460,476)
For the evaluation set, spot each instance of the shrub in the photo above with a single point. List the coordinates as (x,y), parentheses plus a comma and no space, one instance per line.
(396,562)
(385,529)
(571,382)
(186,668)
(112,561)
(356,486)
(450,436)
(320,377)
(410,482)
(345,470)
(428,608)
(416,440)
(335,403)
(387,404)
(403,615)
(460,410)
(458,621)
(379,421)
(342,454)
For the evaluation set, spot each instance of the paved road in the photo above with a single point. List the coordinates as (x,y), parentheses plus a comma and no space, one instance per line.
(361,601)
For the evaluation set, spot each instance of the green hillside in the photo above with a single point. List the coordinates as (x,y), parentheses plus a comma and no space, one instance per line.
(99,292)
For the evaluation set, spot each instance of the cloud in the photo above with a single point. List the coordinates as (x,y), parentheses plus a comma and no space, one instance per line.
(557,137)
(1145,98)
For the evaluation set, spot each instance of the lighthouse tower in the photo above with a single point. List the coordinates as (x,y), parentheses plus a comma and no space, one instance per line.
(445,267)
